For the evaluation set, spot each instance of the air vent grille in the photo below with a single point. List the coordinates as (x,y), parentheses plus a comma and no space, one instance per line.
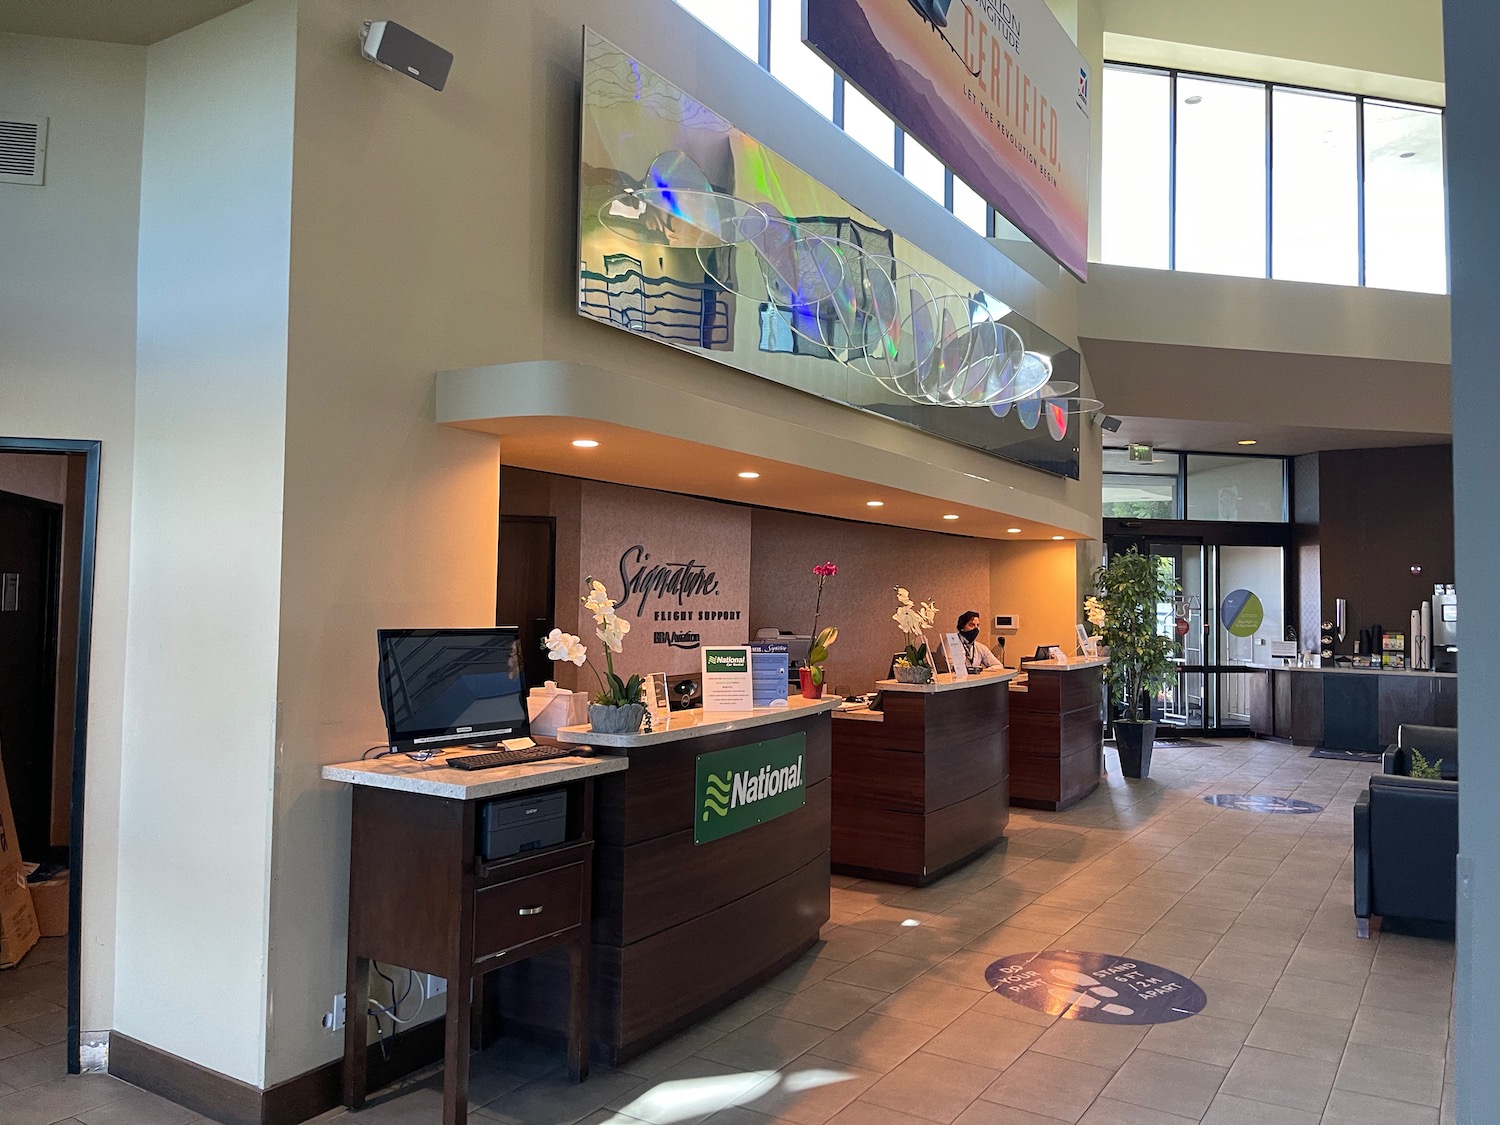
(23,149)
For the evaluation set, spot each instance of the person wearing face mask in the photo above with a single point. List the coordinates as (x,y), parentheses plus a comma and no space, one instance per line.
(977,656)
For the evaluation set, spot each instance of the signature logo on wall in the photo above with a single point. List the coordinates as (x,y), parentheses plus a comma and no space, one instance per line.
(679,580)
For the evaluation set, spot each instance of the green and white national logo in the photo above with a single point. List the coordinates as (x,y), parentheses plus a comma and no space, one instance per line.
(748,785)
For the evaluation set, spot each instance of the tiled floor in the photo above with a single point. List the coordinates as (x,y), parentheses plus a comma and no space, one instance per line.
(887,1022)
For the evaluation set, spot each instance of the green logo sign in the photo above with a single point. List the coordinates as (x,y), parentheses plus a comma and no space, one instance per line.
(748,785)
(725,659)
(1242,613)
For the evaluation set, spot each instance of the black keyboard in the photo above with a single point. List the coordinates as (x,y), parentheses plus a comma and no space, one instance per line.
(493,758)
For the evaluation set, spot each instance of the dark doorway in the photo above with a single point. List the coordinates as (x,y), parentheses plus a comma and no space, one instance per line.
(30,570)
(63,681)
(526,580)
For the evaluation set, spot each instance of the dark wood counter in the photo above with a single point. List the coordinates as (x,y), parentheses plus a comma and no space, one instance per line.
(1345,708)
(1056,734)
(682,929)
(922,787)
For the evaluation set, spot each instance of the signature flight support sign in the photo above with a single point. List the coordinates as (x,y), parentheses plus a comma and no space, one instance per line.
(744,786)
(995,88)
(672,596)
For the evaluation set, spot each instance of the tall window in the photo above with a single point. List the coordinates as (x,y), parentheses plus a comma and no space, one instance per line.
(1220,175)
(736,21)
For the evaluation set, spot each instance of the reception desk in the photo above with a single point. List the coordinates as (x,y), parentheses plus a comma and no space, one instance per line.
(922,786)
(682,928)
(1056,733)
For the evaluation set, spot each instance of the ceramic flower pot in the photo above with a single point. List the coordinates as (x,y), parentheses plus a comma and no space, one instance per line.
(810,690)
(606,719)
(1134,742)
(913,674)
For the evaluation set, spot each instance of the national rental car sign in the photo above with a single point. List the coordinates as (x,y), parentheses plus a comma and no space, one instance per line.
(748,785)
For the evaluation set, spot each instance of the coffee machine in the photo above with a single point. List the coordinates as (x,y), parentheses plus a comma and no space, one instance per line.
(1444,628)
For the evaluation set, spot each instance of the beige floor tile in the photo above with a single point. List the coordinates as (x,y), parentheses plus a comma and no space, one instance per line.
(874,1042)
(1301,1033)
(681,1095)
(1046,919)
(867,1113)
(672,1052)
(1201,1038)
(1405,1031)
(926,943)
(1233,1000)
(929,1001)
(58,1098)
(1004,940)
(1107,1111)
(931,1086)
(993,1113)
(1348,1108)
(1386,1073)
(1402,994)
(1230,1110)
(829,1003)
(765,1043)
(1286,1080)
(883,971)
(810,1090)
(560,1101)
(1305,994)
(1179,1086)
(965,969)
(1341,968)
(984,1039)
(848,943)
(1049,1085)
(1107,1045)
(136,1107)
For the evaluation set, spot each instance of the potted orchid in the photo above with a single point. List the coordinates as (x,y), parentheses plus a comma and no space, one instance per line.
(812,676)
(914,666)
(617,708)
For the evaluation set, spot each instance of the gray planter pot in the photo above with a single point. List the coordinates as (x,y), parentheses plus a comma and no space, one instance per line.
(604,719)
(1134,742)
(916,674)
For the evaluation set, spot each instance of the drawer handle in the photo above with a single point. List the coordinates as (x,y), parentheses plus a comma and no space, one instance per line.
(527,911)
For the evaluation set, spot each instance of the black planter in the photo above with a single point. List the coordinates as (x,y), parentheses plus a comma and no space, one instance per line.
(1134,742)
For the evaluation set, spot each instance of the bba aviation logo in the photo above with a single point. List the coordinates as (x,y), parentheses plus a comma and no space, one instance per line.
(735,790)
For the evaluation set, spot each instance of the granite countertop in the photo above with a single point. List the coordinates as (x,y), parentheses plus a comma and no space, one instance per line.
(946,681)
(697,723)
(397,771)
(1071,665)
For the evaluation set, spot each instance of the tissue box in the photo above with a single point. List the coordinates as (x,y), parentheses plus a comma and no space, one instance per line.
(551,707)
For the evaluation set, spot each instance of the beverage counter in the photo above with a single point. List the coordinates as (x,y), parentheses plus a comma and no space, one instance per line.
(922,786)
(1346,708)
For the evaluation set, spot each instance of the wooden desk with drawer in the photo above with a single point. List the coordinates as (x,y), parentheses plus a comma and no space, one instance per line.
(422,897)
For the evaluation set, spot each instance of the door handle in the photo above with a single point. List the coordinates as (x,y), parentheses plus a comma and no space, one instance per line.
(527,911)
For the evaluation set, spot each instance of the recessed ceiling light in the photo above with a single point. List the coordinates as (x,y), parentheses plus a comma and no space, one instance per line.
(749,476)
(1013,531)
(874,503)
(1407,155)
(1059,537)
(950,516)
(1247,441)
(1193,99)
(585,443)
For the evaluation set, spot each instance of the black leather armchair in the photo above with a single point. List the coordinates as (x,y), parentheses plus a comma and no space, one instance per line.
(1439,745)
(1405,850)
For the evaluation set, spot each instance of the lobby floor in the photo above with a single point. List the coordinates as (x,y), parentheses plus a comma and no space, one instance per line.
(889,1021)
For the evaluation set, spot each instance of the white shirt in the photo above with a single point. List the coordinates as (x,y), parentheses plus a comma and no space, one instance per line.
(979,656)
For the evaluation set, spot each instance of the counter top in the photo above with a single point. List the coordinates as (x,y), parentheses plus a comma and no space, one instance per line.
(945,681)
(434,778)
(1355,671)
(1058,666)
(696,723)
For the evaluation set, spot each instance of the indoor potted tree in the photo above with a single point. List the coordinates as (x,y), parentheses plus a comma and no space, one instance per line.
(1129,588)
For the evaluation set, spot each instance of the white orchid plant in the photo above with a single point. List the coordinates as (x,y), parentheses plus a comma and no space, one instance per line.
(914,621)
(611,629)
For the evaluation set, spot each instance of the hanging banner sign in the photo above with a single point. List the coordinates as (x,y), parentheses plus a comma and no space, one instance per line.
(995,88)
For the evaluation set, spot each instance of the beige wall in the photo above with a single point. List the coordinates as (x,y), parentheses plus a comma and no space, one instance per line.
(1039,582)
(201,700)
(67,370)
(949,570)
(1390,47)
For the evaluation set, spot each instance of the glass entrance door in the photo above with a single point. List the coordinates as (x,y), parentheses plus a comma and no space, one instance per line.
(1229,606)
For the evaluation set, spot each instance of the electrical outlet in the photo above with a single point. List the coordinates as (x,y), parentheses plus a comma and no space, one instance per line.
(333,1019)
(436,986)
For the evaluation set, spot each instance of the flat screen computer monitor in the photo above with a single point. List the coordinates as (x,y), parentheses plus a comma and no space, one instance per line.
(452,687)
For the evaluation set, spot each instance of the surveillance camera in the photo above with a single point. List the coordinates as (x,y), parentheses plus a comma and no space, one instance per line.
(1110,423)
(398,48)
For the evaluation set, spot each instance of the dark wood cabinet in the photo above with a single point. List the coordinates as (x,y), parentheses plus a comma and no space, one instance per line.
(1056,736)
(1353,710)
(1405,699)
(1445,701)
(1305,724)
(1281,703)
(1261,703)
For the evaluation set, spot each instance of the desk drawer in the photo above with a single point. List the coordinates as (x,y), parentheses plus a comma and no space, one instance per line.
(514,913)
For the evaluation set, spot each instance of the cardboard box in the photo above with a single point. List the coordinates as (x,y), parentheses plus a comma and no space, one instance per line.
(49,899)
(18,928)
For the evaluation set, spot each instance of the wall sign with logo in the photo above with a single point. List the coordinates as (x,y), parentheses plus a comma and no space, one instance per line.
(744,786)
(1242,613)
(995,88)
(728,680)
(671,593)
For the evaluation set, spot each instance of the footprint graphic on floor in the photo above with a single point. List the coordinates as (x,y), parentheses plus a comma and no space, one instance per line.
(1085,992)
